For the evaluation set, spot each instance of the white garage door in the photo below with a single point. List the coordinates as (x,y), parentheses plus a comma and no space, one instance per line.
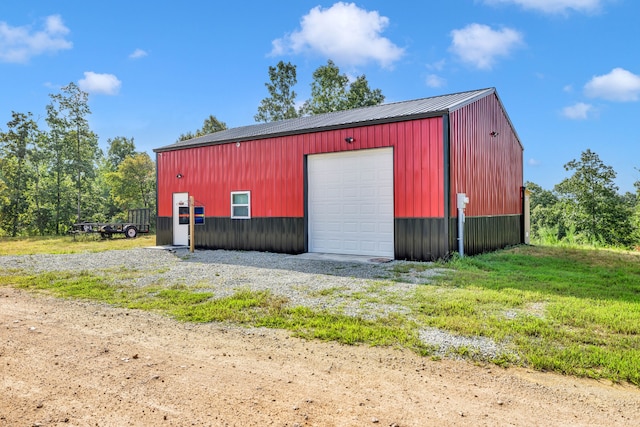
(351,202)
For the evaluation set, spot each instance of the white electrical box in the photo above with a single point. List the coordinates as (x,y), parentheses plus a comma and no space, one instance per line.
(463,200)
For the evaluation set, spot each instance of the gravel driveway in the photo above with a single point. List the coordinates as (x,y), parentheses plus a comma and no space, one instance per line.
(352,286)
(312,281)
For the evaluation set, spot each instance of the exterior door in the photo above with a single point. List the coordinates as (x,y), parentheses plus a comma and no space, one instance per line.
(350,202)
(181,219)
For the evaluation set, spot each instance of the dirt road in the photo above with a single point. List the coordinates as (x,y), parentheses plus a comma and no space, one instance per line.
(69,363)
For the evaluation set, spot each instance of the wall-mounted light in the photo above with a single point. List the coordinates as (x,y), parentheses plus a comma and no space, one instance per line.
(349,139)
(179,176)
(238,144)
(494,133)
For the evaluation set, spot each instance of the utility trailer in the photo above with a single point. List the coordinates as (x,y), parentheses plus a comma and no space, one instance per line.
(138,222)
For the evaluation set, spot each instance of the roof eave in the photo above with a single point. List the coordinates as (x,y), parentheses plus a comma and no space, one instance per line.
(386,120)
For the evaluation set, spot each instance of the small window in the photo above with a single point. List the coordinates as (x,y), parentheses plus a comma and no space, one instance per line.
(241,204)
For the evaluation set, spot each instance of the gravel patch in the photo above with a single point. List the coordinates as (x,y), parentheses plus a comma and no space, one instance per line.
(446,342)
(368,290)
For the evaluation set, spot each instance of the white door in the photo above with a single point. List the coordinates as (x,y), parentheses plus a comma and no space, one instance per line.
(350,202)
(181,219)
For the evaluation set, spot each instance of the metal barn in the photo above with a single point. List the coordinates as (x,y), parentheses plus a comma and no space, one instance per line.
(380,181)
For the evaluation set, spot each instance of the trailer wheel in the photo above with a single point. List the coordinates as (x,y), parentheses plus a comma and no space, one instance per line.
(131,232)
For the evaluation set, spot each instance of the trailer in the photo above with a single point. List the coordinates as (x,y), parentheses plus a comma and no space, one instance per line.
(138,222)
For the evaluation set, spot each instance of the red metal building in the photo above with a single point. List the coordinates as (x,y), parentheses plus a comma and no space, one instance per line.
(379,181)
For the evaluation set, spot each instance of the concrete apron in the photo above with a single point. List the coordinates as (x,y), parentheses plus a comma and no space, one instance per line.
(365,259)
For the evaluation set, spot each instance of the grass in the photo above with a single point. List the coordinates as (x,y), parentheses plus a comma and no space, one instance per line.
(70,244)
(568,310)
(586,320)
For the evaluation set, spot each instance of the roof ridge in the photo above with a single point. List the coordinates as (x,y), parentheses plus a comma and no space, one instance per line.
(381,113)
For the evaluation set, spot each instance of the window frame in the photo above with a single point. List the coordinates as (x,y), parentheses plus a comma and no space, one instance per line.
(247,205)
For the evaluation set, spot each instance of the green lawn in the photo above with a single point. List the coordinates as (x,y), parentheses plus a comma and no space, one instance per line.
(71,244)
(569,310)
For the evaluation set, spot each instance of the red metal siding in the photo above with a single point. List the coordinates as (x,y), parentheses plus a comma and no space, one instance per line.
(272,169)
(488,169)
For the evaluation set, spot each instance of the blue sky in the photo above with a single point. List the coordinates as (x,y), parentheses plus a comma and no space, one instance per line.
(567,71)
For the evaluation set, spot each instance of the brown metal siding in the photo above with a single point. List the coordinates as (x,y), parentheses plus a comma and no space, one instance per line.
(488,169)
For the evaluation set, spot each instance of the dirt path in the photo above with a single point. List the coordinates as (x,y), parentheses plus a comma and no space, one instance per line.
(70,363)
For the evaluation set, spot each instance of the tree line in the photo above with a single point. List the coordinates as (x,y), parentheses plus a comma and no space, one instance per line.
(586,207)
(51,178)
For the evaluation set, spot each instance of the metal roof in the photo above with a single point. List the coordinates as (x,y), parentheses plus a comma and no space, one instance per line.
(384,113)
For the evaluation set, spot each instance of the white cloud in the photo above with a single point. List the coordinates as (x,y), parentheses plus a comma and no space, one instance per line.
(437,66)
(106,84)
(480,46)
(434,80)
(533,162)
(578,111)
(619,85)
(138,53)
(554,6)
(344,33)
(19,44)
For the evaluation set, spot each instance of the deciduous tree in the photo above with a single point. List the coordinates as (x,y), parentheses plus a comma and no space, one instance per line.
(16,145)
(281,103)
(331,91)
(133,183)
(70,110)
(546,213)
(119,148)
(361,95)
(591,202)
(211,125)
(328,90)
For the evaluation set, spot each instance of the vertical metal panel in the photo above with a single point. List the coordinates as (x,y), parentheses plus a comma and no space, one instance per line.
(285,235)
(487,233)
(409,152)
(420,239)
(272,169)
(419,183)
(488,169)
(164,230)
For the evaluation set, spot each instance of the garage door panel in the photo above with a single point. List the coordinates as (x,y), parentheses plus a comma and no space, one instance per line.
(350,202)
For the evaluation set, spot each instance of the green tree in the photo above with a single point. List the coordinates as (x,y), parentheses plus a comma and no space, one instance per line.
(545,213)
(281,103)
(16,170)
(41,218)
(361,95)
(70,110)
(211,125)
(133,184)
(328,90)
(635,220)
(119,148)
(58,154)
(331,91)
(591,202)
